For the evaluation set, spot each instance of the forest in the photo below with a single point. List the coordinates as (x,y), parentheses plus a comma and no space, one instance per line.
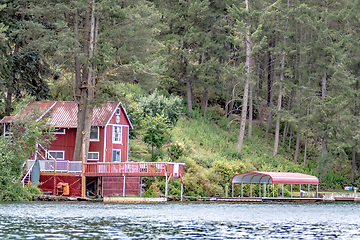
(225,86)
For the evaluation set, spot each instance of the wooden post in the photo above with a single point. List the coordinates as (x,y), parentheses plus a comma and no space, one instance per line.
(182,188)
(264,193)
(226,190)
(232,190)
(102,187)
(124,186)
(167,180)
(83,180)
(166,186)
(140,186)
(259,189)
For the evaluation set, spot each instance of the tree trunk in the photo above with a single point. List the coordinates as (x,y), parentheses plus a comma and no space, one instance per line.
(86,89)
(246,87)
(286,129)
(257,92)
(323,88)
(270,92)
(188,86)
(277,129)
(356,114)
(353,165)
(306,136)
(250,110)
(290,136)
(298,134)
(205,101)
(299,102)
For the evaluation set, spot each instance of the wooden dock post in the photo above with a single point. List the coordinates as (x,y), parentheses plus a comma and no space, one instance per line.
(83,180)
(124,186)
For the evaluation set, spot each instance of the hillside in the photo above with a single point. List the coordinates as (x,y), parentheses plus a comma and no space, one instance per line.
(208,147)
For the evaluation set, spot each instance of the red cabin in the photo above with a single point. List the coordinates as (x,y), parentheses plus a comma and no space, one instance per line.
(107,170)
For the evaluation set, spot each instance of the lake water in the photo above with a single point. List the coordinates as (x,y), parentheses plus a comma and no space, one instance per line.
(79,220)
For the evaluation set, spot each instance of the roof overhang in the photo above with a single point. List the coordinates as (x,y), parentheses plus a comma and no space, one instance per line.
(256,177)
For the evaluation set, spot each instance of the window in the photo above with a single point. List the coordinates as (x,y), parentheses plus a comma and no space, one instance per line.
(59,130)
(93,156)
(8,133)
(58,155)
(117,134)
(94,134)
(117,111)
(116,155)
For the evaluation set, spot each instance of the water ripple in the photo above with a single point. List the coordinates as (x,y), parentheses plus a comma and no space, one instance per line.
(42,220)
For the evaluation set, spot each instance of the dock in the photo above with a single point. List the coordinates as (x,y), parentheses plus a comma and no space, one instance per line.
(134,200)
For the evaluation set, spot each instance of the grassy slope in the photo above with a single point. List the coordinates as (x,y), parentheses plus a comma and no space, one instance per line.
(209,150)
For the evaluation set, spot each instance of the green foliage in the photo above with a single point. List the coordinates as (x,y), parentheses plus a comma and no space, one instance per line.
(153,191)
(10,172)
(155,131)
(154,105)
(176,150)
(15,150)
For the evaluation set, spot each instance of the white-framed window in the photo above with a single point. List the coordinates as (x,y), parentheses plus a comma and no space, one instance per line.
(58,155)
(116,155)
(94,134)
(117,134)
(7,130)
(117,112)
(93,156)
(59,130)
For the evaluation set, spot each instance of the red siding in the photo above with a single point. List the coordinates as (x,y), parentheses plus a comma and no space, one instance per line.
(98,146)
(110,145)
(65,142)
(124,153)
(123,118)
(114,186)
(49,182)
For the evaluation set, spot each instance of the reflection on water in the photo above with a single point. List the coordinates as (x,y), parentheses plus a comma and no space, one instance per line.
(51,220)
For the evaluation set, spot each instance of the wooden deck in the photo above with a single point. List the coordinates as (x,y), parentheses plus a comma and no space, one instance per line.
(113,169)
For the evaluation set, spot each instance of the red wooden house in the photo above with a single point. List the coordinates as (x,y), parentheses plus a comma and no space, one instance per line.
(106,170)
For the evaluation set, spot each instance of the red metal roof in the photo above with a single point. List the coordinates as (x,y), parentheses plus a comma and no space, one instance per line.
(63,114)
(274,178)
(7,119)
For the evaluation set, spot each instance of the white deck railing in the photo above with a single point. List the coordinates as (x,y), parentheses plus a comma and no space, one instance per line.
(59,166)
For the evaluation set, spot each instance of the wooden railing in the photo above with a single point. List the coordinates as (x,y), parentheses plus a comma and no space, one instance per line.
(57,166)
(129,169)
(112,169)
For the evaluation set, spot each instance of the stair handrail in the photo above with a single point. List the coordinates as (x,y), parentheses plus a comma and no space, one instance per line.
(27,174)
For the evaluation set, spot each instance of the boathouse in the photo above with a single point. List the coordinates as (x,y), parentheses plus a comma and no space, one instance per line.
(271,182)
(106,170)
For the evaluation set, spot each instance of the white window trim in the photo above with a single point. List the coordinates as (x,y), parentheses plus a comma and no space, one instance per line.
(55,151)
(91,159)
(98,136)
(113,134)
(112,154)
(63,132)
(117,111)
